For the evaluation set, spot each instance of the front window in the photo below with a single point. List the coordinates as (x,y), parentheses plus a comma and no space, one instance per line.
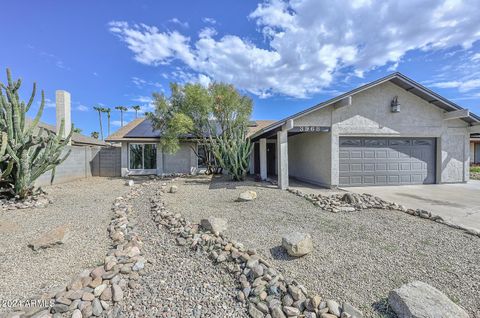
(143,156)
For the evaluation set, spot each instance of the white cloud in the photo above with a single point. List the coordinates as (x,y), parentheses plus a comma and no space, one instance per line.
(463,86)
(476,57)
(209,20)
(177,21)
(142,99)
(309,42)
(49,103)
(140,82)
(117,123)
(83,108)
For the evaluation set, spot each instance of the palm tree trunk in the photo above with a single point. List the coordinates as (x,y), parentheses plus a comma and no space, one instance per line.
(121,117)
(109,124)
(101,128)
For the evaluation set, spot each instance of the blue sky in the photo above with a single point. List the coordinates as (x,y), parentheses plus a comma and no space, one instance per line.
(287,55)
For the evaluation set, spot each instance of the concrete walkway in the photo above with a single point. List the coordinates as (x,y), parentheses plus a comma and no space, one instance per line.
(458,203)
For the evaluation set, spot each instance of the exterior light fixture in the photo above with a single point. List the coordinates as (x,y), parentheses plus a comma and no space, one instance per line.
(395,105)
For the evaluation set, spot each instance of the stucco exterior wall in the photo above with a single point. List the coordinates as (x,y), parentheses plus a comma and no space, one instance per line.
(370,115)
(183,161)
(309,157)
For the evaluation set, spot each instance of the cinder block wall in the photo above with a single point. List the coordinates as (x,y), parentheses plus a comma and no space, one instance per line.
(85,162)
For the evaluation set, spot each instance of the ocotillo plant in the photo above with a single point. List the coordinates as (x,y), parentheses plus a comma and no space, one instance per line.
(33,150)
(232,150)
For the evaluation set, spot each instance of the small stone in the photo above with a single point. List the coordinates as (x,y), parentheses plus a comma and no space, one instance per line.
(77,313)
(254,312)
(247,196)
(117,293)
(87,310)
(134,251)
(106,294)
(88,296)
(326,315)
(130,183)
(291,311)
(97,308)
(51,238)
(173,189)
(333,307)
(59,308)
(277,312)
(99,290)
(97,272)
(297,244)
(352,311)
(214,225)
(96,282)
(105,305)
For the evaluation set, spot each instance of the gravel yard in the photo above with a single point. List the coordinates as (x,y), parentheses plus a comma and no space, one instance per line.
(85,207)
(179,283)
(358,257)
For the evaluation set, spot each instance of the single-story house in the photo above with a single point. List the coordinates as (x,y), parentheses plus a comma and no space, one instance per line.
(142,154)
(475,148)
(392,131)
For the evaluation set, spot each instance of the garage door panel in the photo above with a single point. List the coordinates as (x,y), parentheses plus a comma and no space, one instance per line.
(386,161)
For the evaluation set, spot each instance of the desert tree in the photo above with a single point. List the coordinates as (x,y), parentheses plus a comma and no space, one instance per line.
(207,115)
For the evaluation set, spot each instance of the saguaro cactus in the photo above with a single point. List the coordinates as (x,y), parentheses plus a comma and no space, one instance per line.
(33,150)
(232,151)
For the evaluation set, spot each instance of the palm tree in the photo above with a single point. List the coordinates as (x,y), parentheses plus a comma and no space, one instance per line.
(100,110)
(121,109)
(77,130)
(108,110)
(94,134)
(136,108)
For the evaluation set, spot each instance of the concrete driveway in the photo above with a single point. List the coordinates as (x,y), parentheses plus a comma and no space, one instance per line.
(458,203)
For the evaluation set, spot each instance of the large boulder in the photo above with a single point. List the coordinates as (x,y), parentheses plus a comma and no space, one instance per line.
(247,196)
(214,225)
(420,300)
(297,244)
(51,238)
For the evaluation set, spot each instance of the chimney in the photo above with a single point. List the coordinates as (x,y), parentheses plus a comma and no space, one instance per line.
(62,99)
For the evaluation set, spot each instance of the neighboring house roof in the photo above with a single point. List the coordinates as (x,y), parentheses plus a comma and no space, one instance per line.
(77,139)
(258,125)
(142,129)
(397,78)
(120,133)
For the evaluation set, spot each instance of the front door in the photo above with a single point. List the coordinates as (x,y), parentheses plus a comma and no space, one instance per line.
(271,162)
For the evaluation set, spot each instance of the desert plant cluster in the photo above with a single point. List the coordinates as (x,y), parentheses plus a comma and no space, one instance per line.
(27,150)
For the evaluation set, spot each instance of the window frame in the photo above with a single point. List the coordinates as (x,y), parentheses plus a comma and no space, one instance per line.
(143,156)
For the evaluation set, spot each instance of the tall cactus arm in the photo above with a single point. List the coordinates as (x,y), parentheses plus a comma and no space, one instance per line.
(32,97)
(36,120)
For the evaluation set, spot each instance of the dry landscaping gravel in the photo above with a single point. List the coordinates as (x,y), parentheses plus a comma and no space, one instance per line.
(358,257)
(178,282)
(84,206)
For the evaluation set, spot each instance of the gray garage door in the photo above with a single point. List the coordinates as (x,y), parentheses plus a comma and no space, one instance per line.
(386,161)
